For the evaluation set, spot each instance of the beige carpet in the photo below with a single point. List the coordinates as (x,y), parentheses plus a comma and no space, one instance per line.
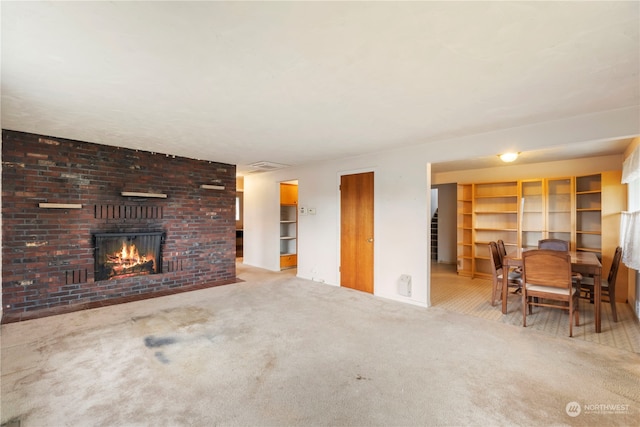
(472,297)
(276,350)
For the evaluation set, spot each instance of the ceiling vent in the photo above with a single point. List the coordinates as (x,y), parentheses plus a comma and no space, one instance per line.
(267,166)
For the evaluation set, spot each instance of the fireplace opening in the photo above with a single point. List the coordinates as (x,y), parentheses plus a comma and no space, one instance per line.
(119,255)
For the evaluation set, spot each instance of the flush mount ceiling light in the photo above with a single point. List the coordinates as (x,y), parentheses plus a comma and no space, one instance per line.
(508,157)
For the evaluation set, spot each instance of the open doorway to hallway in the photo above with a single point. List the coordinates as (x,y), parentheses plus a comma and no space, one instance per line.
(289,225)
(443,236)
(443,223)
(239,217)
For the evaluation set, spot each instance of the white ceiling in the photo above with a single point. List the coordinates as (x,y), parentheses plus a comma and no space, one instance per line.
(299,82)
(558,152)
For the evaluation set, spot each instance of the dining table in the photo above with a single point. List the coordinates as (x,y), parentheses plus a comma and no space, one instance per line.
(586,263)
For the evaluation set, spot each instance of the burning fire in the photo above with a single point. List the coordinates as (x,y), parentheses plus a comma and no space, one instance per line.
(121,255)
(130,256)
(128,259)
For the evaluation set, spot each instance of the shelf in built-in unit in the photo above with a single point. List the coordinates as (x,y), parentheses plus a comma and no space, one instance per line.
(496,196)
(496,218)
(464,230)
(589,213)
(288,225)
(496,229)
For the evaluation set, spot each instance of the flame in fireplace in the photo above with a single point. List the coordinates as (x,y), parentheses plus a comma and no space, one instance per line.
(129,261)
(129,256)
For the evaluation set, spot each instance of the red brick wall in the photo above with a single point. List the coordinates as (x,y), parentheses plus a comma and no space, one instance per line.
(47,254)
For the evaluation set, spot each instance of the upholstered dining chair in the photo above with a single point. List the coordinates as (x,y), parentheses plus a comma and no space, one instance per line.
(547,282)
(554,244)
(514,278)
(608,285)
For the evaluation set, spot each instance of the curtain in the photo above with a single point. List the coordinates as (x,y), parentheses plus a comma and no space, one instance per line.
(630,239)
(631,167)
(630,221)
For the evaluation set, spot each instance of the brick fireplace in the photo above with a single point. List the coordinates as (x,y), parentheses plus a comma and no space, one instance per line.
(62,199)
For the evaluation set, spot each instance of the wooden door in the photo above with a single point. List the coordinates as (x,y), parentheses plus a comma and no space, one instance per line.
(356,231)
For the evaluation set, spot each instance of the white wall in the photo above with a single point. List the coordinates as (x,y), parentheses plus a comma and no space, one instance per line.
(261,212)
(402,200)
(396,202)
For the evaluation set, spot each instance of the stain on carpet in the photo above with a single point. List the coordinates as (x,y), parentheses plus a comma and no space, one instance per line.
(152,342)
(162,358)
(155,342)
(15,422)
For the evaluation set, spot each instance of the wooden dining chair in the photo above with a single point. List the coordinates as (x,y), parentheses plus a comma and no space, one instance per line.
(547,282)
(497,270)
(501,248)
(503,253)
(554,244)
(558,245)
(608,285)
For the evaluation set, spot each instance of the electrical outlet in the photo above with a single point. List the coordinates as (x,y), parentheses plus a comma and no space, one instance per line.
(302,210)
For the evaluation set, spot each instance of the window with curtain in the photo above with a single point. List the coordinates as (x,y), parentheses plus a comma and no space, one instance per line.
(630,220)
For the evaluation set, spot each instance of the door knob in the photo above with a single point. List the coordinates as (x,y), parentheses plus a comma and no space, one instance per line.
(370,240)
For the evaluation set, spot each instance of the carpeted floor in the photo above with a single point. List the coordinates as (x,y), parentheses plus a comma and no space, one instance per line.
(276,350)
(472,297)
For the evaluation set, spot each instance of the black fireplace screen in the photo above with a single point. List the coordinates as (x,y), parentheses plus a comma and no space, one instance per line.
(120,255)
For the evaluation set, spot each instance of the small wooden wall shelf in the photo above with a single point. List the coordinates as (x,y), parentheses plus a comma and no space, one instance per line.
(136,194)
(60,205)
(212,187)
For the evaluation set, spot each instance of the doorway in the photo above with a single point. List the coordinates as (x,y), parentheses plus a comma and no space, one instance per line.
(239,217)
(444,279)
(289,225)
(356,231)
